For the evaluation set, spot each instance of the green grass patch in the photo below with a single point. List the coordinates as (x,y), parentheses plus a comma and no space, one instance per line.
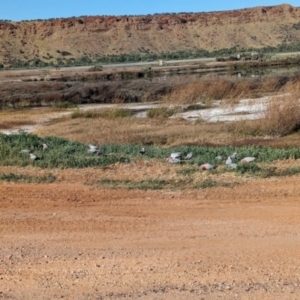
(251,168)
(63,104)
(159,184)
(161,112)
(111,114)
(210,183)
(12,177)
(62,153)
(148,184)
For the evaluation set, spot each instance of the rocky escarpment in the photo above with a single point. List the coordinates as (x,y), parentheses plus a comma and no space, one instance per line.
(91,37)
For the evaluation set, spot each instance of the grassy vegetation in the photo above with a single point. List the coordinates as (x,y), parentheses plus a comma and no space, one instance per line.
(110,113)
(281,118)
(206,89)
(162,112)
(62,153)
(228,89)
(64,59)
(149,184)
(63,104)
(12,177)
(209,183)
(158,184)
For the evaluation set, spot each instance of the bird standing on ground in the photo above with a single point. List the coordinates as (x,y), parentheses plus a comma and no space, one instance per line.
(230,164)
(45,146)
(189,155)
(143,151)
(228,161)
(93,149)
(207,166)
(175,157)
(33,157)
(233,155)
(248,159)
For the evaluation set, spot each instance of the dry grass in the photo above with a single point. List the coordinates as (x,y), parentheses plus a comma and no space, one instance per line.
(169,132)
(225,88)
(89,127)
(108,113)
(281,118)
(14,118)
(155,131)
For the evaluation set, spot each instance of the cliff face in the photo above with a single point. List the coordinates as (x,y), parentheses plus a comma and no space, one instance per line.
(97,36)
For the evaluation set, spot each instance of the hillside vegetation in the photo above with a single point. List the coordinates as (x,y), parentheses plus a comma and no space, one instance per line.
(88,39)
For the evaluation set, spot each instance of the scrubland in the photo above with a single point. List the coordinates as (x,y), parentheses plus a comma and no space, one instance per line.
(76,225)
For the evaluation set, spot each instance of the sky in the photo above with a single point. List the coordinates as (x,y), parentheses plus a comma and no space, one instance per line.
(17,10)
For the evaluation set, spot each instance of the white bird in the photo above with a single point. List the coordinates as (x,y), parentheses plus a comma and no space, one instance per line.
(219,157)
(93,149)
(230,164)
(143,151)
(45,146)
(189,155)
(207,166)
(33,157)
(228,160)
(233,155)
(175,157)
(248,159)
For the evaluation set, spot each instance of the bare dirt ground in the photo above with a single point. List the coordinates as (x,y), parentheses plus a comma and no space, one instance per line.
(74,240)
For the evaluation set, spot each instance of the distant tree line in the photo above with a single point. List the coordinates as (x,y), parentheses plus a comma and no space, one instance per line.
(66,60)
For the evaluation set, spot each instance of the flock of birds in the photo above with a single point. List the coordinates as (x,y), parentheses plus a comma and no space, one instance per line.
(32,156)
(177,157)
(174,158)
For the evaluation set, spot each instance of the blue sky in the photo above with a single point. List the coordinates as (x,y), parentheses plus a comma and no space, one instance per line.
(17,10)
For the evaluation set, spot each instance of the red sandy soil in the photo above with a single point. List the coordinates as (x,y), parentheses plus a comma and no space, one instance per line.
(71,240)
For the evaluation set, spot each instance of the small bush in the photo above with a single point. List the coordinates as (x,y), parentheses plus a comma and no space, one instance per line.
(248,168)
(115,113)
(161,112)
(95,69)
(282,116)
(63,104)
(110,114)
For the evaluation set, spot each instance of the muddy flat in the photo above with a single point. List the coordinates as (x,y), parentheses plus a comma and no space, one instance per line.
(74,240)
